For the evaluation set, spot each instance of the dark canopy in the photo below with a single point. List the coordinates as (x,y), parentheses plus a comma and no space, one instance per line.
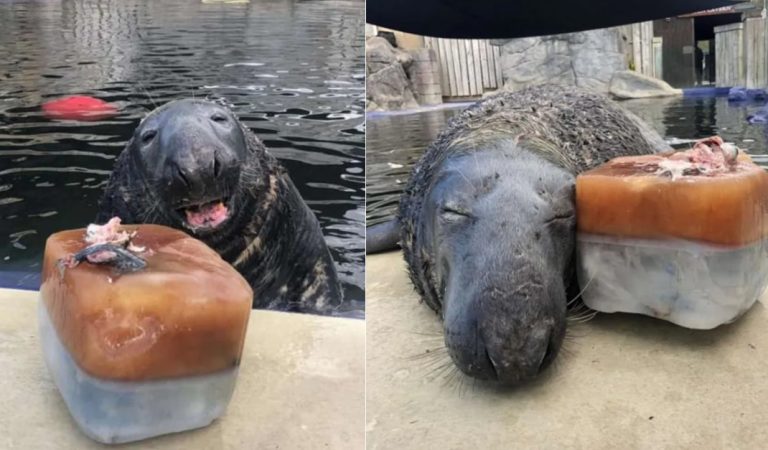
(489,19)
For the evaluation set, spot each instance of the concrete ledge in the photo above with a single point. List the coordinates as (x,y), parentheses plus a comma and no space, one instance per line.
(622,381)
(421,109)
(301,385)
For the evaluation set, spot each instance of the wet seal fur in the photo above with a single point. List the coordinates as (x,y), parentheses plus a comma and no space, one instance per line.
(488,222)
(193,152)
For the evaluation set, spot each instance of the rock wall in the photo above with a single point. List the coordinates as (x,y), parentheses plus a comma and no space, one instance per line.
(596,59)
(587,59)
(424,74)
(628,84)
(397,79)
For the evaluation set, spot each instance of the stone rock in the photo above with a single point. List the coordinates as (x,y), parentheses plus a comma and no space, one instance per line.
(424,74)
(370,105)
(389,36)
(587,59)
(628,84)
(388,85)
(390,89)
(379,54)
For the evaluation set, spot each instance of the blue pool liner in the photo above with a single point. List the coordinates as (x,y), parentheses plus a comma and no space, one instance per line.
(742,94)
(706,91)
(28,281)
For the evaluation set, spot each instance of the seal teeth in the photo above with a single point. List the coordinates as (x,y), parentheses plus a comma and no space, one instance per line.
(206,215)
(197,207)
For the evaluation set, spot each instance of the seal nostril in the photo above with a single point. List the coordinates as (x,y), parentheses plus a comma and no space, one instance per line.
(492,366)
(216,166)
(182,177)
(548,356)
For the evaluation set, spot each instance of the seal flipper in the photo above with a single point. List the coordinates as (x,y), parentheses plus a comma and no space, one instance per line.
(382,237)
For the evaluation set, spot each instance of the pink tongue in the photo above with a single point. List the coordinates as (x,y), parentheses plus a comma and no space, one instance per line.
(211,215)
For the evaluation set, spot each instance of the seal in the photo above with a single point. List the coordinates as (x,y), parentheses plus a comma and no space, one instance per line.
(487,222)
(192,165)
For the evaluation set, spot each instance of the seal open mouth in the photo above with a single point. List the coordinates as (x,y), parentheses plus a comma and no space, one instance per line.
(206,216)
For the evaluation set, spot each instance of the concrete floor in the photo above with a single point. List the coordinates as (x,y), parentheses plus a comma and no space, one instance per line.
(301,385)
(623,381)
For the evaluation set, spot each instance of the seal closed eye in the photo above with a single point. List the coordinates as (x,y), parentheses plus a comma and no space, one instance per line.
(192,165)
(488,222)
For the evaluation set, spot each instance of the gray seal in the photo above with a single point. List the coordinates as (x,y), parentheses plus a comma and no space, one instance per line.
(487,222)
(192,165)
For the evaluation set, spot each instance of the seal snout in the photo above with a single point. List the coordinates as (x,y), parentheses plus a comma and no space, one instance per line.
(502,332)
(521,356)
(200,189)
(195,151)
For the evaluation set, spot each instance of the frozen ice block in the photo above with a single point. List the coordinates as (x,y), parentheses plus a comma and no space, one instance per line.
(678,236)
(141,353)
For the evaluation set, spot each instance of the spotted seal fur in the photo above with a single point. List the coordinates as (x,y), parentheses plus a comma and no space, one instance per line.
(192,165)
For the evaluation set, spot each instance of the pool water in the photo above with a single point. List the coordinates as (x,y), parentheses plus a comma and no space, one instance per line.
(293,71)
(396,141)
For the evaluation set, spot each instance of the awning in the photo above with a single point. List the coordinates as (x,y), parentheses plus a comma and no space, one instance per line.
(498,19)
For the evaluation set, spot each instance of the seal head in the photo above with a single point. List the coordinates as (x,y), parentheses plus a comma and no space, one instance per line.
(191,165)
(488,222)
(192,152)
(502,233)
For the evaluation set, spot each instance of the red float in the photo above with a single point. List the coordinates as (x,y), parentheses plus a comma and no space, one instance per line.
(79,107)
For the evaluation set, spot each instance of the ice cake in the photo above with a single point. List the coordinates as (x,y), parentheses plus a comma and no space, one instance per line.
(142,328)
(678,236)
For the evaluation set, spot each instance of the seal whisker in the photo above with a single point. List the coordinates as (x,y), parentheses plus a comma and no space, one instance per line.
(464,384)
(436,334)
(583,318)
(430,358)
(438,371)
(445,370)
(450,379)
(572,335)
(429,353)
(583,311)
(580,309)
(581,291)
(147,92)
(432,366)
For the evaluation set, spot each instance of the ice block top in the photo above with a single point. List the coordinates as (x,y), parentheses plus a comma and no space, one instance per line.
(184,314)
(709,193)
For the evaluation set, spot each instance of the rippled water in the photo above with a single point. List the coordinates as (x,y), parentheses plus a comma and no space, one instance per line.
(293,71)
(396,141)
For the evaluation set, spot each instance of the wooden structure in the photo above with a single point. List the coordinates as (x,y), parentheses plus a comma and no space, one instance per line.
(640,51)
(468,67)
(658,55)
(741,54)
(755,53)
(729,55)
(678,50)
